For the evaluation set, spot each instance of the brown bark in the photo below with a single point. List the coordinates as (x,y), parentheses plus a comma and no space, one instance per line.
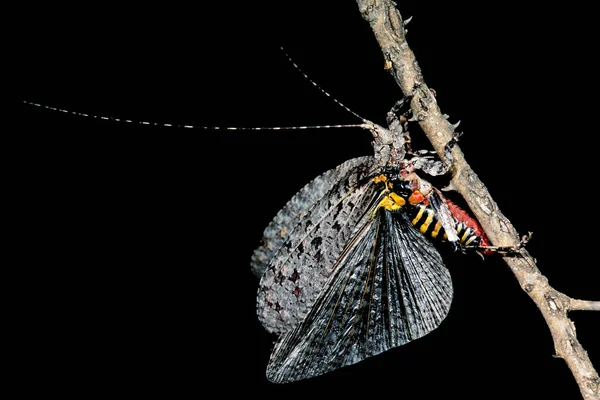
(388,27)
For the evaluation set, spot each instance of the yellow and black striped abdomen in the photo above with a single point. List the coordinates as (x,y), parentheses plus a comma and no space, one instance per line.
(466,235)
(426,221)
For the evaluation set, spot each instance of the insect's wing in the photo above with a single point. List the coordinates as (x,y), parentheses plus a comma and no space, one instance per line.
(288,218)
(389,287)
(313,231)
(440,206)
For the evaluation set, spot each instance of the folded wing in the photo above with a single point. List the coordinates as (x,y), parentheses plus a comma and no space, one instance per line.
(389,286)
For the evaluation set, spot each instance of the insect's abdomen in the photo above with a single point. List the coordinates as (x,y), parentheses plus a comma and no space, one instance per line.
(424,218)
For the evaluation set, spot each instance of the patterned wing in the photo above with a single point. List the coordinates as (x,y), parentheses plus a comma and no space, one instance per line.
(288,218)
(389,287)
(315,231)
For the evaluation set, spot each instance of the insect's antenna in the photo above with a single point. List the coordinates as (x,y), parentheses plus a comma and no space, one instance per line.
(320,88)
(215,128)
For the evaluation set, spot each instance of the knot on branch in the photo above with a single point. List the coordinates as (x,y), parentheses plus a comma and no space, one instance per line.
(553,304)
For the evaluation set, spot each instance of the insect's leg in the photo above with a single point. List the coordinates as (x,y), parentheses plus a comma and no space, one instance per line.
(394,112)
(448,157)
(397,121)
(426,160)
(427,164)
(505,250)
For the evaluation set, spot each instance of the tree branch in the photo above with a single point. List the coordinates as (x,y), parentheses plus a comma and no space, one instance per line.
(388,27)
(584,305)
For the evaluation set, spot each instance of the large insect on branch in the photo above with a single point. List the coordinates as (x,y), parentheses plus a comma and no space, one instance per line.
(388,27)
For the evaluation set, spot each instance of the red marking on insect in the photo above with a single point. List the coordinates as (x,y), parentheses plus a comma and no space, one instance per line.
(417,197)
(296,291)
(461,216)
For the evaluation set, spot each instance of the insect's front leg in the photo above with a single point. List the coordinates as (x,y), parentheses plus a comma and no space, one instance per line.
(427,163)
(396,111)
(397,121)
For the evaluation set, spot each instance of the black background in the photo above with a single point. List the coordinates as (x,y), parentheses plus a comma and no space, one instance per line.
(137,239)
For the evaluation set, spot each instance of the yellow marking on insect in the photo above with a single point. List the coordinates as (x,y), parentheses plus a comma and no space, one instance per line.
(466,235)
(419,215)
(391,202)
(380,178)
(427,222)
(436,229)
(397,199)
(459,228)
(468,242)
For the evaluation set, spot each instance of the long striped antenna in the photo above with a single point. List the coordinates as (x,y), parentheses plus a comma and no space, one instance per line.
(365,125)
(365,121)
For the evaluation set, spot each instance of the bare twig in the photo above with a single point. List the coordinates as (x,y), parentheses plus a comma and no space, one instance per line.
(584,305)
(388,27)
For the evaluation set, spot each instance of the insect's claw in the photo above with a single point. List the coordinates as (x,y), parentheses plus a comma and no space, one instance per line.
(509,250)
(457,134)
(525,239)
(457,247)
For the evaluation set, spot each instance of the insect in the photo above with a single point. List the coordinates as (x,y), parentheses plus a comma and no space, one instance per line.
(349,267)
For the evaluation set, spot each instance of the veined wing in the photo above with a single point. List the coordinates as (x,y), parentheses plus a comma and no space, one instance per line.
(315,236)
(287,219)
(389,287)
